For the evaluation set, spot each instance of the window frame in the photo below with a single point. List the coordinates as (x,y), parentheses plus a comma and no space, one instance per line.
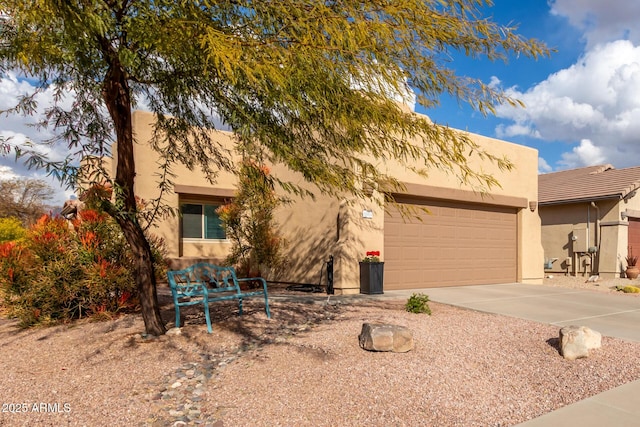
(203,203)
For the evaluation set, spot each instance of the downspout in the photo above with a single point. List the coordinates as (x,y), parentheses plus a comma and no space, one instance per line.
(588,242)
(588,225)
(596,264)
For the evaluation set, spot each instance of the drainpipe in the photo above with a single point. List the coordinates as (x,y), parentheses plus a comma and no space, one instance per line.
(596,235)
(588,243)
(588,225)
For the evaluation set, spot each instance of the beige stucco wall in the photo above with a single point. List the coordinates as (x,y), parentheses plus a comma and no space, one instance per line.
(316,228)
(600,226)
(516,188)
(146,187)
(309,226)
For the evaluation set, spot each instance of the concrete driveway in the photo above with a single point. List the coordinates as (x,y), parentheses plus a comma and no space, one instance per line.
(614,315)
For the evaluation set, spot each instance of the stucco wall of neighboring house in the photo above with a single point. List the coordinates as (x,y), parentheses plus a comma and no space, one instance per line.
(630,207)
(316,229)
(568,230)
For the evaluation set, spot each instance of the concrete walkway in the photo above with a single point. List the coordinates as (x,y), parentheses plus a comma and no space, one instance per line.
(613,315)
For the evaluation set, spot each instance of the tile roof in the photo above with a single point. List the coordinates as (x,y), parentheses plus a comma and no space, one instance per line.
(586,184)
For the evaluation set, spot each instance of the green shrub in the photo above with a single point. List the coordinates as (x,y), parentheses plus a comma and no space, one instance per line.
(63,271)
(249,222)
(11,229)
(417,303)
(628,289)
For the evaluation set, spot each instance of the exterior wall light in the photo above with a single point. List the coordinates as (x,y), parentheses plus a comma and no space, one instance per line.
(533,205)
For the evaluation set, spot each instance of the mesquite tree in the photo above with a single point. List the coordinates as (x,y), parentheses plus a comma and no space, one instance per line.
(309,84)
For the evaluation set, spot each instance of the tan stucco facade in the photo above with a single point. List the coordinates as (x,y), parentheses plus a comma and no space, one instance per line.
(518,188)
(588,237)
(323,227)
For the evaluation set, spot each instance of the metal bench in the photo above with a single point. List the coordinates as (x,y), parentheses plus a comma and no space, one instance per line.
(203,283)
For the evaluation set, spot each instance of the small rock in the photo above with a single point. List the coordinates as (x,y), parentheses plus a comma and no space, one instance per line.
(576,341)
(176,384)
(382,337)
(174,331)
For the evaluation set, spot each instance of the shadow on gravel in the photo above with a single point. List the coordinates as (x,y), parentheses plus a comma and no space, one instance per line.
(291,316)
(555,343)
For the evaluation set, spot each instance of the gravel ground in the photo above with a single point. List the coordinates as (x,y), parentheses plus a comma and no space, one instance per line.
(303,367)
(582,282)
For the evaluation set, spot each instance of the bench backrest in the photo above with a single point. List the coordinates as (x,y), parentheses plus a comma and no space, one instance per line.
(216,278)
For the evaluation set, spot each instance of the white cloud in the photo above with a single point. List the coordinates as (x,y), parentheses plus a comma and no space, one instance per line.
(601,21)
(503,131)
(16,130)
(6,173)
(596,99)
(585,154)
(543,166)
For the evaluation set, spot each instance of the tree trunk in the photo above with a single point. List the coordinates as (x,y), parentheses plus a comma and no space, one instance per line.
(144,276)
(117,97)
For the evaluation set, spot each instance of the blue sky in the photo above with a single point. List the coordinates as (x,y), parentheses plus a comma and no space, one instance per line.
(582,103)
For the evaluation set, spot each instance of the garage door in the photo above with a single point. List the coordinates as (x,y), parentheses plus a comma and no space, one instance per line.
(454,244)
(634,236)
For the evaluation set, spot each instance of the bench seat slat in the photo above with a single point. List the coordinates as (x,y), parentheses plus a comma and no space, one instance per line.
(210,283)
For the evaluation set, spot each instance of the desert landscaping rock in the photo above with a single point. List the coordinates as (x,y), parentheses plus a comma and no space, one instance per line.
(382,337)
(174,331)
(469,369)
(577,341)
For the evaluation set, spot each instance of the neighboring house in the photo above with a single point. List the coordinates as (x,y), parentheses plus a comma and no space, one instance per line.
(467,238)
(590,219)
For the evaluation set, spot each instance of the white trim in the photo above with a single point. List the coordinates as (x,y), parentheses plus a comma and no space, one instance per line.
(194,240)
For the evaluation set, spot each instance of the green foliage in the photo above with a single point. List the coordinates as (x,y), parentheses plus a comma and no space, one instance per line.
(249,224)
(372,256)
(62,271)
(11,229)
(628,289)
(632,260)
(306,84)
(303,84)
(418,303)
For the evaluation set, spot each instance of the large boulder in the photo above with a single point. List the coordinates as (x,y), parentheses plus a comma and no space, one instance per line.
(576,341)
(382,337)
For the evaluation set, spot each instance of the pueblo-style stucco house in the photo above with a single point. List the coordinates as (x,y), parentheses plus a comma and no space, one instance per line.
(466,239)
(590,219)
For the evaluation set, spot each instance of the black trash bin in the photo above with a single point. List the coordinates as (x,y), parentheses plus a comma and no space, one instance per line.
(371,277)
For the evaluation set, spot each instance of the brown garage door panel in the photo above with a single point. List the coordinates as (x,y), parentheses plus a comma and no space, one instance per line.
(455,244)
(634,236)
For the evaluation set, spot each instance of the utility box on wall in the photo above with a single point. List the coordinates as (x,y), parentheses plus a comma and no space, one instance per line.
(580,240)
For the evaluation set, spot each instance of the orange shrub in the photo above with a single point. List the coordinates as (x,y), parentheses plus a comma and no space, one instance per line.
(68,270)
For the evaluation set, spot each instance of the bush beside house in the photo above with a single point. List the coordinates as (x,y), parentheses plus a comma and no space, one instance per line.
(69,270)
